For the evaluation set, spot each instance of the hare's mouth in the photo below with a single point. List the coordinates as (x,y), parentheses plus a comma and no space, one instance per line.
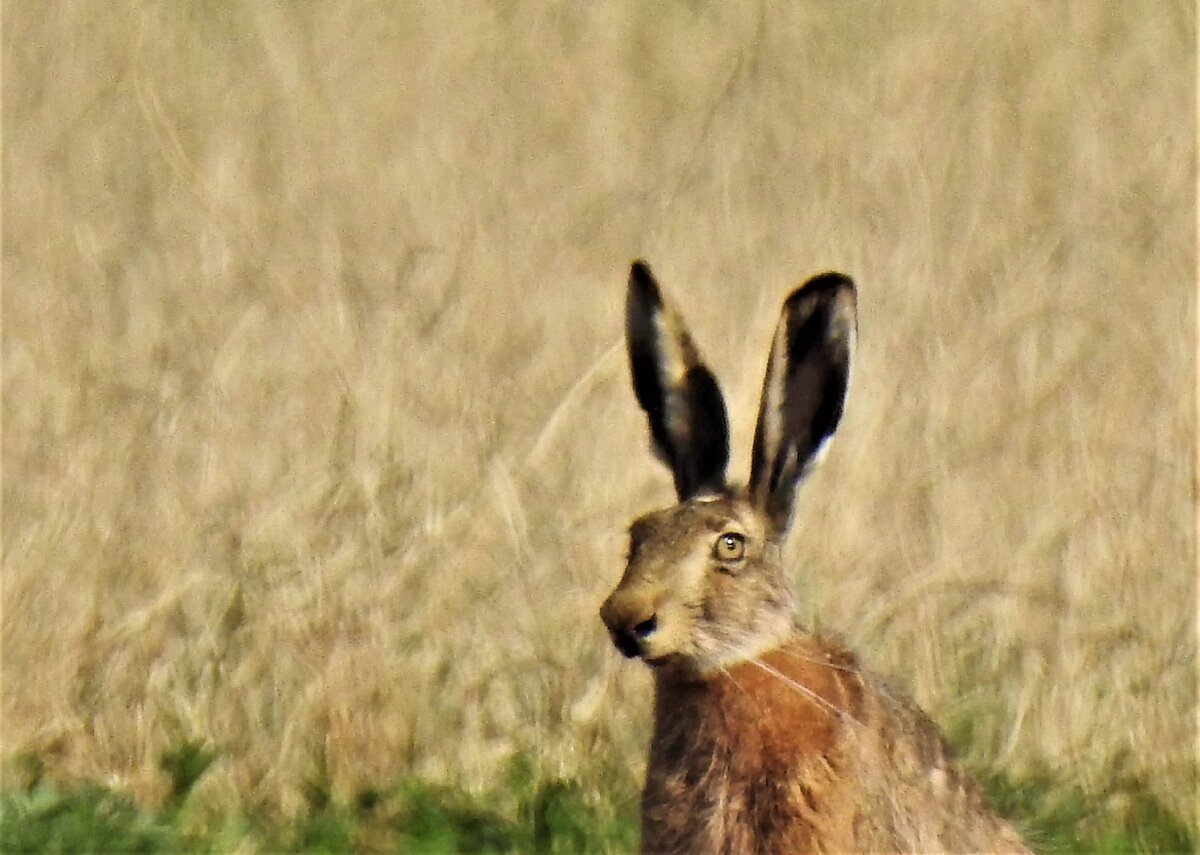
(663,660)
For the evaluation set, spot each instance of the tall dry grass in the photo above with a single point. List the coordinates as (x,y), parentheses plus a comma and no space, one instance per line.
(318,442)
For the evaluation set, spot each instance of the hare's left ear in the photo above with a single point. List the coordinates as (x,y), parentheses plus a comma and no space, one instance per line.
(808,373)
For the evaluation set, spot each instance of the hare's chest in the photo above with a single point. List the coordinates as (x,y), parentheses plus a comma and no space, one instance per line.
(741,766)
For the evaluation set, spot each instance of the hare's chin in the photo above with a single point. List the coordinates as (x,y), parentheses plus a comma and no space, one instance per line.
(660,661)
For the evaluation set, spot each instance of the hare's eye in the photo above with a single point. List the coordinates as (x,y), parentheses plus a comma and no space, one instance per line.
(729,547)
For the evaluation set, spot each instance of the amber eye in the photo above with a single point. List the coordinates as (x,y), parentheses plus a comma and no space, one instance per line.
(730,546)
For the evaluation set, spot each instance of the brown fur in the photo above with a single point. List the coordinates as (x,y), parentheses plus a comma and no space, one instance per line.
(749,761)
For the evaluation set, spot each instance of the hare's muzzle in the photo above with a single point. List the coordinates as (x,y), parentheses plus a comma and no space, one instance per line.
(631,621)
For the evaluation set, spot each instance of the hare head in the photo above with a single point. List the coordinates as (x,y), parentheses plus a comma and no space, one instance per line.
(704,587)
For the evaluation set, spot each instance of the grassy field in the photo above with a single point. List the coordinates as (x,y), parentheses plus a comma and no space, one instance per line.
(318,444)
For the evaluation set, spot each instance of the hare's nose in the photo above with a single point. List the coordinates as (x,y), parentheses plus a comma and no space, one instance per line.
(627,643)
(629,639)
(646,628)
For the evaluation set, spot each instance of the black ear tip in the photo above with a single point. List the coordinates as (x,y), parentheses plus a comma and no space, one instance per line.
(642,284)
(828,281)
(828,289)
(640,273)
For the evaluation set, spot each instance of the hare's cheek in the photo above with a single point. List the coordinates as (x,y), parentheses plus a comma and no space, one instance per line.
(720,600)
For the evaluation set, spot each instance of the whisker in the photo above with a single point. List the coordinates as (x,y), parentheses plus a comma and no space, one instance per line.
(794,654)
(734,680)
(790,683)
(804,690)
(880,686)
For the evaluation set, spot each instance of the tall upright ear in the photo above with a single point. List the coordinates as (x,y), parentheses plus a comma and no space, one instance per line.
(683,403)
(808,373)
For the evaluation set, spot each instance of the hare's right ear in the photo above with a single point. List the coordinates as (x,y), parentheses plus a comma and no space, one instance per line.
(805,388)
(681,398)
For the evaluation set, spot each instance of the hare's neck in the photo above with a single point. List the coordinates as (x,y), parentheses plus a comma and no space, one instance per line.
(803,685)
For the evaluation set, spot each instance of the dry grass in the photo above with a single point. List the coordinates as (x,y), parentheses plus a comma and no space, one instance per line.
(318,442)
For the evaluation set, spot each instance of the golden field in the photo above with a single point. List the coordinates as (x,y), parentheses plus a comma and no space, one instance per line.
(318,444)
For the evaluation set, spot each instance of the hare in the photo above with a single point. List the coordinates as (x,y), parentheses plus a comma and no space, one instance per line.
(766,738)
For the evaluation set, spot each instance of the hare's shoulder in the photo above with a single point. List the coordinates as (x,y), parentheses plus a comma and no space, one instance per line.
(907,789)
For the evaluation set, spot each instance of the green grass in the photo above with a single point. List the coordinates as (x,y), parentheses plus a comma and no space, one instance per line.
(88,818)
(1058,818)
(412,817)
(416,818)
(525,817)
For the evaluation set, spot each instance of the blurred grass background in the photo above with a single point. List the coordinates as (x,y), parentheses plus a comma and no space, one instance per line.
(318,444)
